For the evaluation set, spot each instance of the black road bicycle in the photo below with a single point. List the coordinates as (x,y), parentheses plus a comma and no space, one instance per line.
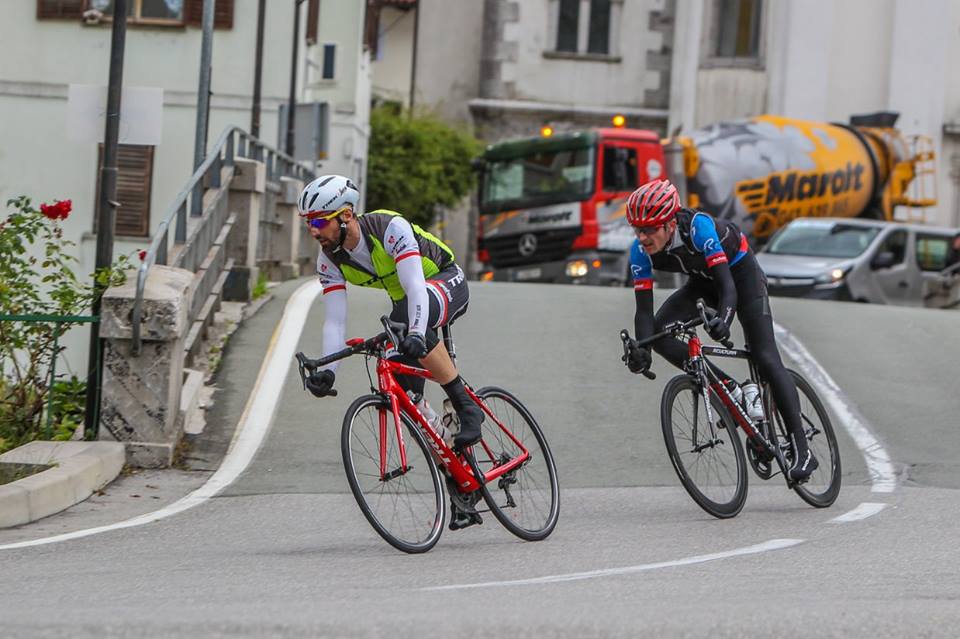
(699,417)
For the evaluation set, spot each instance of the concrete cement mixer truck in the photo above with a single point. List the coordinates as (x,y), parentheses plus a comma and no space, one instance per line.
(552,208)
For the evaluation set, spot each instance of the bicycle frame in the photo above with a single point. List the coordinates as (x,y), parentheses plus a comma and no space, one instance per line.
(699,369)
(458,470)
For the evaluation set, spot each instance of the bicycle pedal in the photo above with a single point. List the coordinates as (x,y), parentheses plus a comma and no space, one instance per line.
(461,520)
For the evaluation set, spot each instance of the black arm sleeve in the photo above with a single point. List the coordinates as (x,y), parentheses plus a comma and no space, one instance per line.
(643,318)
(726,291)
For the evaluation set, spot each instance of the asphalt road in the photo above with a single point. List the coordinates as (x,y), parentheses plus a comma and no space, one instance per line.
(284,551)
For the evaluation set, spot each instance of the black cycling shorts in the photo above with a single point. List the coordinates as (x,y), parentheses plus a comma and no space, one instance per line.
(448,295)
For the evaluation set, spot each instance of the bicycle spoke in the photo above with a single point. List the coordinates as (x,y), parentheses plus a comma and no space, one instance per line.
(709,460)
(404,508)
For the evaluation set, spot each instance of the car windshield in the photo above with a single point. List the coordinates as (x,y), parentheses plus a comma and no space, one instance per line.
(822,239)
(537,179)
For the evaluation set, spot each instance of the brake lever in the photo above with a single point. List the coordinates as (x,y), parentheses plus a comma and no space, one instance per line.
(301,366)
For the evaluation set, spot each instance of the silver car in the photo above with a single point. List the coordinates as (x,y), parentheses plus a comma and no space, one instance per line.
(864,261)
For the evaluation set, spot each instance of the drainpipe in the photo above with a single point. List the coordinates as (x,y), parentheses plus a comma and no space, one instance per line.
(106,214)
(258,71)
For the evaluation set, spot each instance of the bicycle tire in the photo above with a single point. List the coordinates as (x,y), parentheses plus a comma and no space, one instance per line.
(427,513)
(829,478)
(727,498)
(518,499)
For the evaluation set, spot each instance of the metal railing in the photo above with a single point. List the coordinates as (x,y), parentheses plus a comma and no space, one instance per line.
(57,321)
(194,233)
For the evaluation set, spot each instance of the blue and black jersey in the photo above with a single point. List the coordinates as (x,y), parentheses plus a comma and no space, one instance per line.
(701,242)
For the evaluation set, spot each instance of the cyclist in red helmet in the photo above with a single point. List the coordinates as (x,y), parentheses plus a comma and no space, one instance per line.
(721,270)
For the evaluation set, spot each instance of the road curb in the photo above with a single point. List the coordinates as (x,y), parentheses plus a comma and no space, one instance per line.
(79,469)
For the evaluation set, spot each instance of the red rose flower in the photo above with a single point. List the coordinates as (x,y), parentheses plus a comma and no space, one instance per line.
(59,210)
(64,207)
(143,255)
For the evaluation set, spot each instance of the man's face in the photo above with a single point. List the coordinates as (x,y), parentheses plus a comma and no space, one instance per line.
(653,239)
(327,232)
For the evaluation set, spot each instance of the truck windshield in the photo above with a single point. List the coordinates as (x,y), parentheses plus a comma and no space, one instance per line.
(538,179)
(822,239)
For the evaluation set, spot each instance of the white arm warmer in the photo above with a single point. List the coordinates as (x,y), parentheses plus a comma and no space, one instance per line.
(334,323)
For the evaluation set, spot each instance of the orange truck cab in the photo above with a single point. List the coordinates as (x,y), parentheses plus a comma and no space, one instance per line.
(552,209)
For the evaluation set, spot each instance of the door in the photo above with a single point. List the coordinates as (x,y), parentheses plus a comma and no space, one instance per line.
(619,177)
(897,281)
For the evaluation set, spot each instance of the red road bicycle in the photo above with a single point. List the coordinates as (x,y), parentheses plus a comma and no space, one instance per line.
(699,418)
(397,464)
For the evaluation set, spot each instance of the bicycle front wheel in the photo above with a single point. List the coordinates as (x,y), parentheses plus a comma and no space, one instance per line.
(525,500)
(823,487)
(405,505)
(707,456)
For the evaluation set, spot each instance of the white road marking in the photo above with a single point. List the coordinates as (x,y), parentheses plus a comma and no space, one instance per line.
(251,430)
(883,473)
(864,510)
(767,546)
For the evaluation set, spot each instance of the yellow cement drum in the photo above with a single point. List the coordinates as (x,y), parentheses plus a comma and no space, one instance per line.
(763,172)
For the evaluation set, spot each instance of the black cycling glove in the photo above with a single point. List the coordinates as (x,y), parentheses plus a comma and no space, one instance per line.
(637,357)
(718,329)
(414,346)
(320,383)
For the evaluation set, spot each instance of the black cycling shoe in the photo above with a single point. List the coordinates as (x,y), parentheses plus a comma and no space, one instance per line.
(470,419)
(460,519)
(468,413)
(804,463)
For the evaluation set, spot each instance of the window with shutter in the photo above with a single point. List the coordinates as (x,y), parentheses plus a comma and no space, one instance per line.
(371,27)
(313,21)
(134,182)
(47,9)
(222,13)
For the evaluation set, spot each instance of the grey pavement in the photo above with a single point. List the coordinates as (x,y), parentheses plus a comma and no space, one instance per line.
(284,551)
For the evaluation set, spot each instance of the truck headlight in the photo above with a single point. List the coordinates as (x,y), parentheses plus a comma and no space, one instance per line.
(832,276)
(577,268)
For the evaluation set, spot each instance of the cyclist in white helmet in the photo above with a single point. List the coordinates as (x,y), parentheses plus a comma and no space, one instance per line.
(381,249)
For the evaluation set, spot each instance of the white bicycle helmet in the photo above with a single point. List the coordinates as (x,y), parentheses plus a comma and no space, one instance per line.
(328,194)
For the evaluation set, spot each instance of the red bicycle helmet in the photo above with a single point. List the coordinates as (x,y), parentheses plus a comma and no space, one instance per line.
(653,204)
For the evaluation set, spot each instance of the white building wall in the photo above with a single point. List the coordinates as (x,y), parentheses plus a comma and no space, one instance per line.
(827,60)
(621,80)
(391,69)
(40,58)
(348,93)
(859,58)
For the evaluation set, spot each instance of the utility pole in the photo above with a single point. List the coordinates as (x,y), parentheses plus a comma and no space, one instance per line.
(106,215)
(258,70)
(292,103)
(203,90)
(413,62)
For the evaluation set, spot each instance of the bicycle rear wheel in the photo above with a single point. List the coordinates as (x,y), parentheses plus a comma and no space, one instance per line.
(525,500)
(823,487)
(708,457)
(407,509)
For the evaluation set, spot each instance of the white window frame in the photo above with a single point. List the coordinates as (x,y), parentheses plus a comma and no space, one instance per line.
(583,32)
(709,60)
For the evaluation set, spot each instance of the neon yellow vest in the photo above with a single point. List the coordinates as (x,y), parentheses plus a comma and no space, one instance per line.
(434,255)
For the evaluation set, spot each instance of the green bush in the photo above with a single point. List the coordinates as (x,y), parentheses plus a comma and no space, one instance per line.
(417,164)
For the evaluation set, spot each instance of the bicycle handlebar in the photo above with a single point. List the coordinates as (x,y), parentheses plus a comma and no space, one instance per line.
(392,332)
(705,314)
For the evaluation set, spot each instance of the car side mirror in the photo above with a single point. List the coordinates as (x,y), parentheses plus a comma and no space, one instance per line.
(477,164)
(883,259)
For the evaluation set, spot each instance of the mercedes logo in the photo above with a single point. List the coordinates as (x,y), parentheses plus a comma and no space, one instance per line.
(528,244)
